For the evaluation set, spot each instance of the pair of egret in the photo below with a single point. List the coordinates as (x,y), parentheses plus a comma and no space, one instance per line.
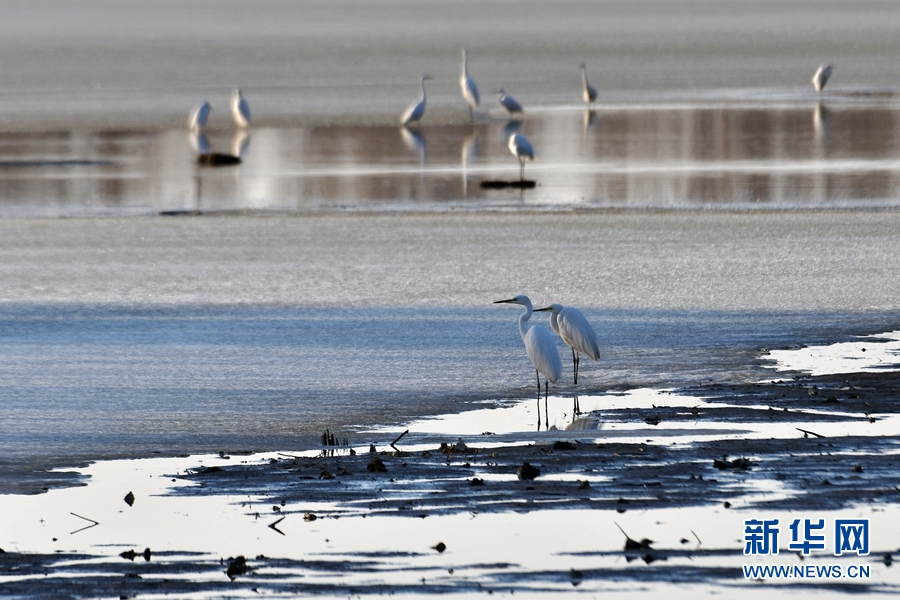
(570,325)
(470,92)
(240,111)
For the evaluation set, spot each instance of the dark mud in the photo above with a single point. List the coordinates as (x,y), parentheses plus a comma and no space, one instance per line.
(814,470)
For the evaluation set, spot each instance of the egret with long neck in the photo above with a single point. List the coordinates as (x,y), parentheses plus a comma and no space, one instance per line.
(541,349)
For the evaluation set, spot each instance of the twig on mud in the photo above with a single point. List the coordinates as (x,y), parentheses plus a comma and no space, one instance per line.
(92,522)
(273,525)
(805,432)
(699,542)
(398,439)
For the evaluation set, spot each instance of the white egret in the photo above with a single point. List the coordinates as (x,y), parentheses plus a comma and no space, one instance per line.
(198,117)
(575,331)
(521,149)
(588,92)
(240,109)
(509,103)
(468,87)
(821,76)
(540,348)
(417,109)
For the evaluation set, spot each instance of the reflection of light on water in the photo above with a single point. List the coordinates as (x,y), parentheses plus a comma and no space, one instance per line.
(491,426)
(876,353)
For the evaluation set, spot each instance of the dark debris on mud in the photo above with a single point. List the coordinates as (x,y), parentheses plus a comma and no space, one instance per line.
(815,471)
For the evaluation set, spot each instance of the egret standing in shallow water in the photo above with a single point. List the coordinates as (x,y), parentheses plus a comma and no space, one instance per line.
(467,86)
(575,331)
(240,109)
(540,348)
(509,103)
(417,109)
(521,149)
(588,92)
(821,77)
(199,116)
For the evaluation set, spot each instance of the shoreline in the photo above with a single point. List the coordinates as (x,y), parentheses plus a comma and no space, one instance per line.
(375,525)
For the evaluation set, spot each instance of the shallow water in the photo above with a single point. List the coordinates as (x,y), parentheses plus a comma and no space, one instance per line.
(839,153)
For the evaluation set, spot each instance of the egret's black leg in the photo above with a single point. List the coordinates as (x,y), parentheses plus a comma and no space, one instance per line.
(576,408)
(546,409)
(575,364)
(538,399)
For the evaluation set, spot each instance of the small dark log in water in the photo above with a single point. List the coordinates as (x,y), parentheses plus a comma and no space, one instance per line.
(215,159)
(498,184)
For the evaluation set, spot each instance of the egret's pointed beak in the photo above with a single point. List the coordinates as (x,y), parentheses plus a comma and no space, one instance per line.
(510,301)
(546,308)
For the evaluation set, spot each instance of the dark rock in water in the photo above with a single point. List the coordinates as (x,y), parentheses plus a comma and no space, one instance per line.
(129,554)
(147,554)
(237,566)
(180,213)
(376,465)
(561,445)
(476,481)
(527,471)
(129,499)
(440,547)
(214,159)
(497,184)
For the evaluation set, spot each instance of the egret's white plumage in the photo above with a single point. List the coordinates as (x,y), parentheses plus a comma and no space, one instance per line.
(521,149)
(467,86)
(821,77)
(240,109)
(588,92)
(198,117)
(539,346)
(416,110)
(509,103)
(575,331)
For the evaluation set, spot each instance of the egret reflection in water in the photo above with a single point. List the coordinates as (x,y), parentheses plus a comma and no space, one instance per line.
(414,140)
(590,119)
(822,121)
(198,141)
(240,143)
(468,154)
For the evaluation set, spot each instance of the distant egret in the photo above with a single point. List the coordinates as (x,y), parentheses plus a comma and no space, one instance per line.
(521,149)
(540,348)
(588,92)
(198,117)
(417,109)
(240,109)
(468,87)
(575,331)
(509,103)
(821,76)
